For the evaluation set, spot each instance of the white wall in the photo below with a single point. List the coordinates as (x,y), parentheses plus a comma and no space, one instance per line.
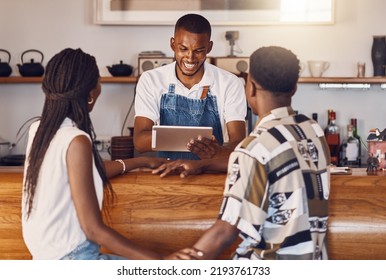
(50,26)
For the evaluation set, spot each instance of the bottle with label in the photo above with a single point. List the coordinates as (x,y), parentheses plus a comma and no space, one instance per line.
(328,120)
(333,138)
(356,135)
(350,149)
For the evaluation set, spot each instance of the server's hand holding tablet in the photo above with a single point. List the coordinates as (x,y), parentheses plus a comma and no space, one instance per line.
(176,138)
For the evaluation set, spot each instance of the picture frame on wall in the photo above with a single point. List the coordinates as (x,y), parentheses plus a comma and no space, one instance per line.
(218,12)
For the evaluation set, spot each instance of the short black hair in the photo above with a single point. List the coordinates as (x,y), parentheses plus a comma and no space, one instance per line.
(274,68)
(194,23)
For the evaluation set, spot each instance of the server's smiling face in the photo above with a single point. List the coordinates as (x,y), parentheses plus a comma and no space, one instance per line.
(190,50)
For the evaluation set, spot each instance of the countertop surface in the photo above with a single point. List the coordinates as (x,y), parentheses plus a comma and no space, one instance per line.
(354,171)
(11,169)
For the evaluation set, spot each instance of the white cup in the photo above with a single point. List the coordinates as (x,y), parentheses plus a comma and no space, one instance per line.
(317,67)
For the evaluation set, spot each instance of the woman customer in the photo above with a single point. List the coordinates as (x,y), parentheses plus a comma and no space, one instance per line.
(65,180)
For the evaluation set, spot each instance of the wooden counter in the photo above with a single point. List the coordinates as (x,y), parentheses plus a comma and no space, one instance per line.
(170,213)
(357,216)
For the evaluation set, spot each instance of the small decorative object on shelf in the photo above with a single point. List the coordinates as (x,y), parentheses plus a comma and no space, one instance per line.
(372,164)
(376,143)
(378,55)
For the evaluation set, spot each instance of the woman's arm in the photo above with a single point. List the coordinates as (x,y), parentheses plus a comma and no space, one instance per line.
(80,166)
(114,168)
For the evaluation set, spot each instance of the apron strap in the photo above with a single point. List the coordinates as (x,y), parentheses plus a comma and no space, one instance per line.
(172,88)
(204,92)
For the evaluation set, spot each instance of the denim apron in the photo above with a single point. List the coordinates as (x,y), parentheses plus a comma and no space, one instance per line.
(179,110)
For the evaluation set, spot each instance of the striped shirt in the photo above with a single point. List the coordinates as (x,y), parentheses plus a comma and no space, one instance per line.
(277,189)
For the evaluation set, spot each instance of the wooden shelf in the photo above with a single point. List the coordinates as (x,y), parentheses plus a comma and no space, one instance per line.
(134,79)
(20,80)
(38,80)
(128,80)
(340,80)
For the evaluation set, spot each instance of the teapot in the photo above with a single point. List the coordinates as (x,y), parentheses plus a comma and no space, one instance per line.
(120,69)
(5,69)
(31,69)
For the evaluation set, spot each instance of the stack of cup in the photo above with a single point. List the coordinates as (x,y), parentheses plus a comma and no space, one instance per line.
(122,147)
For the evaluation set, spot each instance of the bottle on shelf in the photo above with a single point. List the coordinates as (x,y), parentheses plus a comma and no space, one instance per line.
(332,134)
(356,135)
(350,149)
(328,120)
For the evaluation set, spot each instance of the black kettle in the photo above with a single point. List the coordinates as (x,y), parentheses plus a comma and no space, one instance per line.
(121,69)
(5,69)
(31,69)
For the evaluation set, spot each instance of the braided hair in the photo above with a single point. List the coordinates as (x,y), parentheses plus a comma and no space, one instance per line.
(70,76)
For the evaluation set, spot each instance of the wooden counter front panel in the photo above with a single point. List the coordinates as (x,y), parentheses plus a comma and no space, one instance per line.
(12,246)
(171,213)
(166,214)
(357,217)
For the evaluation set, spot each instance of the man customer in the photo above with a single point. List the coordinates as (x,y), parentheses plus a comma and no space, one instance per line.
(191,92)
(277,188)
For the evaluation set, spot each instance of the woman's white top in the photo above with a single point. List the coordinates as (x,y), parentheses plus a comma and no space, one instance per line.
(53,228)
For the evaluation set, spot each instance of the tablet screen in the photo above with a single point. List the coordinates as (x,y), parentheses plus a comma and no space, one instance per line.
(175,138)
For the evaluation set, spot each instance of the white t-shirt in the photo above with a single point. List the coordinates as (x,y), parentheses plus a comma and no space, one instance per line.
(53,230)
(227,88)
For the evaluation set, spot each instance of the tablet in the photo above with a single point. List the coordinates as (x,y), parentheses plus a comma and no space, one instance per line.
(175,138)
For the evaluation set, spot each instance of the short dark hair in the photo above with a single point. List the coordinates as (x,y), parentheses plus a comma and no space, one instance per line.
(276,69)
(194,23)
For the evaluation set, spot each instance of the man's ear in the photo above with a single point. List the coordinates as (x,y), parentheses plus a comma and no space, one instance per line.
(294,90)
(249,86)
(172,45)
(252,88)
(210,47)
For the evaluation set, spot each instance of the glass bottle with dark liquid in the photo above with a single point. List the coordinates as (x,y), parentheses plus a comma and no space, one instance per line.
(333,138)
(356,135)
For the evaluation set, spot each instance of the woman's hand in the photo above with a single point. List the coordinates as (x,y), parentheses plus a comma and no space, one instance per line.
(182,167)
